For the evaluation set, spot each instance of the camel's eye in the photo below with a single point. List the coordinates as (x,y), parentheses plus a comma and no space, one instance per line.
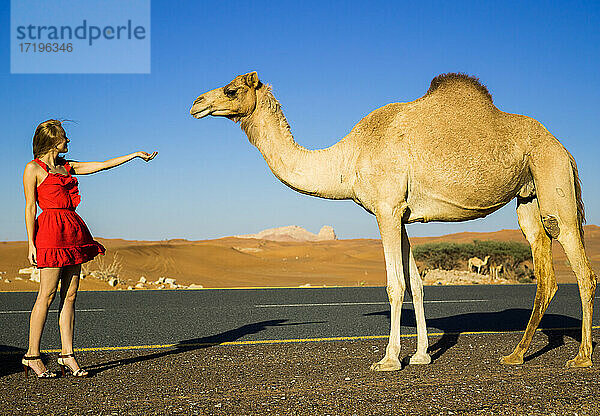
(230,92)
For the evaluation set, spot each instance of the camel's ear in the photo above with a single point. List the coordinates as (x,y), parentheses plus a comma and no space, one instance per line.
(252,79)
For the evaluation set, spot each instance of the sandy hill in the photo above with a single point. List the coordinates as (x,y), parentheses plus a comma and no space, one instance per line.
(237,262)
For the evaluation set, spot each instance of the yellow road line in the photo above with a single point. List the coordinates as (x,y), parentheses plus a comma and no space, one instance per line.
(286,341)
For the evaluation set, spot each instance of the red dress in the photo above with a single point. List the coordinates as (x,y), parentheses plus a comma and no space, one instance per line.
(61,236)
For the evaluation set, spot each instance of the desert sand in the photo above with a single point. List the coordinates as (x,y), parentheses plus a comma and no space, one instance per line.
(247,262)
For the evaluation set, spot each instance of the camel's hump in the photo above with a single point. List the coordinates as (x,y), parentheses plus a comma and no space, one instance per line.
(453,78)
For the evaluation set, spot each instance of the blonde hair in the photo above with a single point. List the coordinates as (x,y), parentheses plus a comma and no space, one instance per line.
(47,135)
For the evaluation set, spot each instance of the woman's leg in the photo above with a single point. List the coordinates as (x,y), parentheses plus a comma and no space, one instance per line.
(69,284)
(49,277)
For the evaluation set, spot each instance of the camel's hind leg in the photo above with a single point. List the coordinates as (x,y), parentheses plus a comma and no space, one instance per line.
(570,238)
(561,208)
(541,246)
(586,280)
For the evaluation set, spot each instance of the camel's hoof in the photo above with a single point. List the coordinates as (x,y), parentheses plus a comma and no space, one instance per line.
(579,362)
(420,359)
(386,365)
(511,359)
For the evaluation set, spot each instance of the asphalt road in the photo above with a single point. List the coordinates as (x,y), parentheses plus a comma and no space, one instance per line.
(140,318)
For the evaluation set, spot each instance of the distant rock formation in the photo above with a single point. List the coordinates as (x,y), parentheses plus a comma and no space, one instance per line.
(293,233)
(34,273)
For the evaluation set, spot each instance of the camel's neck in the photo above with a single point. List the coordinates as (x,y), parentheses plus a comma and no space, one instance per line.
(324,173)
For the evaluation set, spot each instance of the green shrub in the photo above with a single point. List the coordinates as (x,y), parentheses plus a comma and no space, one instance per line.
(448,256)
(524,275)
(444,256)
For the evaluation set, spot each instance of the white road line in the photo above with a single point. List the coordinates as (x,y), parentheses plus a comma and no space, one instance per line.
(294,305)
(56,310)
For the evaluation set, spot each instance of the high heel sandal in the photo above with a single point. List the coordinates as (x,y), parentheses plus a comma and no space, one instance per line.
(76,373)
(26,367)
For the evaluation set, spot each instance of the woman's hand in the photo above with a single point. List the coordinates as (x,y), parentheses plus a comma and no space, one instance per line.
(146,156)
(32,256)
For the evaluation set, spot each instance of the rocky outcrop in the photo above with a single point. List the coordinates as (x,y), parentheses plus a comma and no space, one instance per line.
(33,272)
(326,234)
(293,233)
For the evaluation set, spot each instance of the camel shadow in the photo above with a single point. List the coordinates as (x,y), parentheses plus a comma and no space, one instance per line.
(555,327)
(197,344)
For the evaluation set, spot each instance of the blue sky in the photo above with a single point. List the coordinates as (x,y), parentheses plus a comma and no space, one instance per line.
(330,64)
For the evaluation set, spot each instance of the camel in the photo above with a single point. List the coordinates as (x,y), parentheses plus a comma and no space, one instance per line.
(496,270)
(450,155)
(476,262)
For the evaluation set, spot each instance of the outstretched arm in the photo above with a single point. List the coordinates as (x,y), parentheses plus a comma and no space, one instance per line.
(85,168)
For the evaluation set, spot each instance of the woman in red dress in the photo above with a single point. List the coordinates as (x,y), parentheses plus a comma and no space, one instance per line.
(59,240)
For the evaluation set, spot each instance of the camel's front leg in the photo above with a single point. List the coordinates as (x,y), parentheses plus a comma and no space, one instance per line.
(391,237)
(416,288)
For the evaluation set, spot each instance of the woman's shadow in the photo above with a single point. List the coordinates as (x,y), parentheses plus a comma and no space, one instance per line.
(555,327)
(10,360)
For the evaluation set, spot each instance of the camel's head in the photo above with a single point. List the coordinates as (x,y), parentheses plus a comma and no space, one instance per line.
(234,101)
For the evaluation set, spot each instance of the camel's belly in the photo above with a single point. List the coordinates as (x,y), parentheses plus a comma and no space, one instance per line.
(446,211)
(445,200)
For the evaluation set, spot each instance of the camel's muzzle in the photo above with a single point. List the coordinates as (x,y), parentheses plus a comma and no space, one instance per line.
(199,112)
(201,107)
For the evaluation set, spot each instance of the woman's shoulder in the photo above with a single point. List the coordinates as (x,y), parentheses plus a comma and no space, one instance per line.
(33,170)
(32,166)
(37,167)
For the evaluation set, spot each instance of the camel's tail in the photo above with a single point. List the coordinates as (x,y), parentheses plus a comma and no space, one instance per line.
(580,207)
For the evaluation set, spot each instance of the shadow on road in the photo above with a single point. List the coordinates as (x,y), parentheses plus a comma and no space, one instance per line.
(10,357)
(198,343)
(555,327)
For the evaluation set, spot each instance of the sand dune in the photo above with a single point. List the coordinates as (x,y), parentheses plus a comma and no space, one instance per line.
(244,262)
